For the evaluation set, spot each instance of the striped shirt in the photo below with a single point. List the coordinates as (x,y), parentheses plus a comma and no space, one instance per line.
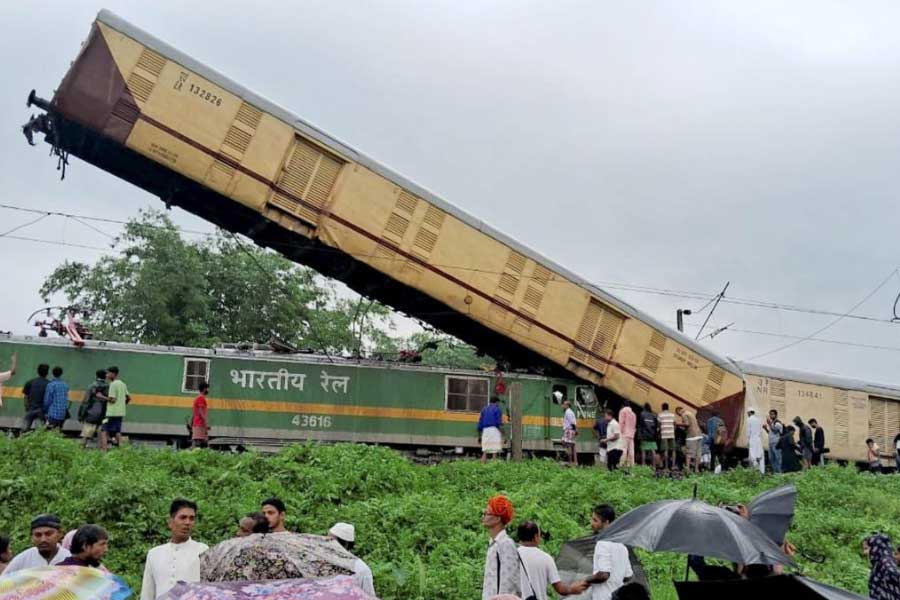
(56,400)
(667,425)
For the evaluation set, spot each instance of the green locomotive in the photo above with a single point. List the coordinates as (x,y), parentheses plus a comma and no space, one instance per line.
(264,398)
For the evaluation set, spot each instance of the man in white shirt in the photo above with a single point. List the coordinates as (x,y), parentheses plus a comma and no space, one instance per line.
(179,559)
(755,442)
(46,532)
(611,565)
(345,535)
(570,430)
(539,569)
(7,375)
(614,442)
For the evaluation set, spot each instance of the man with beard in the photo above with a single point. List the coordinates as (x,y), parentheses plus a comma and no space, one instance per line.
(89,546)
(177,560)
(274,511)
(46,532)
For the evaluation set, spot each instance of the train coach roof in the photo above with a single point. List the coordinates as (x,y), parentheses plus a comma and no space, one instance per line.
(837,381)
(119,24)
(257,354)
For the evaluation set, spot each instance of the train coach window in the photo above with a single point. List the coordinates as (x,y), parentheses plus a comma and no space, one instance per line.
(196,370)
(468,394)
(562,389)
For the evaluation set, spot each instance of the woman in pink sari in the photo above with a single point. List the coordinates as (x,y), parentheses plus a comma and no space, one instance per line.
(628,424)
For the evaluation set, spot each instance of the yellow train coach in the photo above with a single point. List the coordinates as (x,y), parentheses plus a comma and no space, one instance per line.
(139,109)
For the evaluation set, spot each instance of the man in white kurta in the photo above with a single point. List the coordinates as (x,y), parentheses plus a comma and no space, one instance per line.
(755,442)
(177,560)
(45,551)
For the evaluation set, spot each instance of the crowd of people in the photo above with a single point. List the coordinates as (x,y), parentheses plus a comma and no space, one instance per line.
(680,442)
(166,564)
(102,410)
(512,571)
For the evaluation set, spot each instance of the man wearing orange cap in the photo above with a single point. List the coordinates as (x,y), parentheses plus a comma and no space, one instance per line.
(501,567)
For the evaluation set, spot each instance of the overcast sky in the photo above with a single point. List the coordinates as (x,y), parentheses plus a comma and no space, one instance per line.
(673,145)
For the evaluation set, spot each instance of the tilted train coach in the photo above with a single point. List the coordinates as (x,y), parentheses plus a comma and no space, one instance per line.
(143,111)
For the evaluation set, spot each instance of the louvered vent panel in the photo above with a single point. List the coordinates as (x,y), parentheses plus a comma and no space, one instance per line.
(434,217)
(658,342)
(607,333)
(541,275)
(841,417)
(710,394)
(640,390)
(651,362)
(222,169)
(532,299)
(877,421)
(396,227)
(324,181)
(508,284)
(406,202)
(777,389)
(140,87)
(424,242)
(515,263)
(249,116)
(716,376)
(238,139)
(585,335)
(307,179)
(891,423)
(151,62)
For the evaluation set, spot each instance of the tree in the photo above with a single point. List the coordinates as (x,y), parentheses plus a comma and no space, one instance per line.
(163,289)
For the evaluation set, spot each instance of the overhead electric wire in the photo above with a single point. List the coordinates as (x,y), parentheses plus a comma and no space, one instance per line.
(23,225)
(55,243)
(830,324)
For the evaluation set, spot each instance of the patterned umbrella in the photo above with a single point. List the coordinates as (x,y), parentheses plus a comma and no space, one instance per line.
(267,556)
(62,583)
(334,588)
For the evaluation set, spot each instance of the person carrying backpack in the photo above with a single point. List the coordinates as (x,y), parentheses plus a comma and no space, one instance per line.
(93,408)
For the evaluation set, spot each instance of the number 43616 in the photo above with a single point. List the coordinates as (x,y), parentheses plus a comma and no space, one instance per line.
(319,421)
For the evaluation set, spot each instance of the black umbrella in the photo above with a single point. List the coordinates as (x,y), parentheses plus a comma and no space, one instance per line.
(794,587)
(576,562)
(695,527)
(773,511)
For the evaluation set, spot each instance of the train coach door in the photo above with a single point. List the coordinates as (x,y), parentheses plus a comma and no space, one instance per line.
(515,420)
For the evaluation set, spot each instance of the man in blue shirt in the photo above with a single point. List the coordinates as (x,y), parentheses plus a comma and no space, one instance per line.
(56,400)
(489,423)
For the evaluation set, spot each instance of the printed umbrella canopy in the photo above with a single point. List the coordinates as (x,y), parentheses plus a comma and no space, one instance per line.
(62,583)
(334,588)
(267,556)
(695,527)
(773,510)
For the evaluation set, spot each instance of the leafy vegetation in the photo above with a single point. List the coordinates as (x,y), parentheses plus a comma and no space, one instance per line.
(417,527)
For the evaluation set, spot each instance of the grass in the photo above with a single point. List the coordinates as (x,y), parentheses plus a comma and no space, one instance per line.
(417,526)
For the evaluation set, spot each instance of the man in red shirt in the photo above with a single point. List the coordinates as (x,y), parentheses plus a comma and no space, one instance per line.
(200,419)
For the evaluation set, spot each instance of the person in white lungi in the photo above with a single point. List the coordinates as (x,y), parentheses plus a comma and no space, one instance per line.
(754,441)
(489,433)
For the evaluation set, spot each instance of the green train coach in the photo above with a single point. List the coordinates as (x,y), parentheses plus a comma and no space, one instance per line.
(262,398)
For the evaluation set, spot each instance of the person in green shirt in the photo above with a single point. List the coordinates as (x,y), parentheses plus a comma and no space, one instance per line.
(115,408)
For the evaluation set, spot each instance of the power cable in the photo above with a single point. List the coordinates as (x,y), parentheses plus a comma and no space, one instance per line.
(23,226)
(55,243)
(828,325)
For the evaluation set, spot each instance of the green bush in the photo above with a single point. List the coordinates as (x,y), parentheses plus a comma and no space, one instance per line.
(418,527)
